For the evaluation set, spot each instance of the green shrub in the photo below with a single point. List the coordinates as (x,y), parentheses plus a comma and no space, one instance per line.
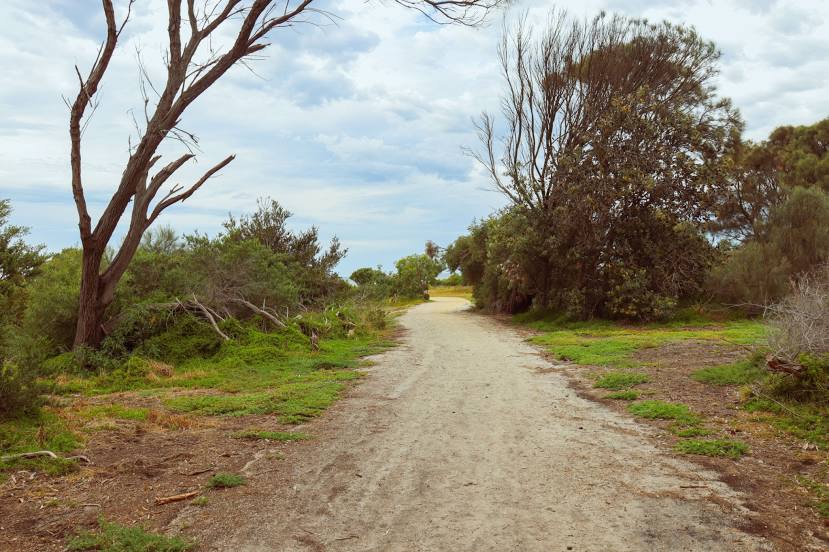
(663,411)
(19,391)
(52,307)
(225,481)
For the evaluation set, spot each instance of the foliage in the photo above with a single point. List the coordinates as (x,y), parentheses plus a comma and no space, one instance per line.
(19,391)
(607,170)
(225,481)
(715,447)
(51,310)
(114,537)
(19,262)
(415,274)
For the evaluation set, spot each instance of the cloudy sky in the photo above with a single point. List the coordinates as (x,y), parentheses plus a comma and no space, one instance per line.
(356,127)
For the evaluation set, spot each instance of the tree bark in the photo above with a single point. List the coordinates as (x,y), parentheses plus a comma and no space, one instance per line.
(91,308)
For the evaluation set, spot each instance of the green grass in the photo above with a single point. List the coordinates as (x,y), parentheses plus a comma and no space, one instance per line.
(661,410)
(620,380)
(623,395)
(605,343)
(693,431)
(45,431)
(114,537)
(225,481)
(716,447)
(271,435)
(200,501)
(737,373)
(808,422)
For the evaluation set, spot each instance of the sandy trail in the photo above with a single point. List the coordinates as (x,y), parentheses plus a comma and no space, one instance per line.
(463,439)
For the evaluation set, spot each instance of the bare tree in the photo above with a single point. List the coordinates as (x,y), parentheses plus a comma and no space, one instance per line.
(193,66)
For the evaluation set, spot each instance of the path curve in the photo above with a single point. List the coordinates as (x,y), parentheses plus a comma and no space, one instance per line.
(464,439)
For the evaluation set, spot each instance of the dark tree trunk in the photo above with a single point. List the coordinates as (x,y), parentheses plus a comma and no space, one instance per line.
(91,307)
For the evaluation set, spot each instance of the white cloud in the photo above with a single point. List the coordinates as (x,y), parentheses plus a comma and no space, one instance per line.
(356,128)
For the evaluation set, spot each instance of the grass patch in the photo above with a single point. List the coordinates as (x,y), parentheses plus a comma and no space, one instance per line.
(47,431)
(606,343)
(684,431)
(738,373)
(114,537)
(200,501)
(808,422)
(226,481)
(716,447)
(254,434)
(620,380)
(819,492)
(661,410)
(627,395)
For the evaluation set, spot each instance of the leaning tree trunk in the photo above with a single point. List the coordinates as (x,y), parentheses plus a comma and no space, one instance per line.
(189,73)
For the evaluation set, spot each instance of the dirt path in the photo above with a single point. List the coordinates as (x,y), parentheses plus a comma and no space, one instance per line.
(463,439)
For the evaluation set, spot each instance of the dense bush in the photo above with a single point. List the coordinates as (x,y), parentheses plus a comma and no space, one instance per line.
(795,242)
(19,391)
(415,274)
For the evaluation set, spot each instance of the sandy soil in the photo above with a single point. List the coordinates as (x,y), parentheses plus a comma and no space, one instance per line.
(464,438)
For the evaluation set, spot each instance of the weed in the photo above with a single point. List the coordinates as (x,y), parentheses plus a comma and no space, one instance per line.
(114,537)
(716,447)
(225,481)
(200,501)
(737,373)
(664,411)
(685,431)
(270,435)
(624,395)
(620,380)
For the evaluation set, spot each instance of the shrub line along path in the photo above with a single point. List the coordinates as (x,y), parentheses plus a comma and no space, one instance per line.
(465,438)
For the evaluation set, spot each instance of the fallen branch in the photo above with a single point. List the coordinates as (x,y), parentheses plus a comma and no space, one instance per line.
(210,318)
(175,498)
(776,364)
(259,311)
(35,454)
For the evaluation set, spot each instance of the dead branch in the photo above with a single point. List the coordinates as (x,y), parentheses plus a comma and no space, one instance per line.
(175,498)
(35,454)
(210,318)
(260,311)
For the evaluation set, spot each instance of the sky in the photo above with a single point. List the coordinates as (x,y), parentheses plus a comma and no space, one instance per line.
(356,127)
